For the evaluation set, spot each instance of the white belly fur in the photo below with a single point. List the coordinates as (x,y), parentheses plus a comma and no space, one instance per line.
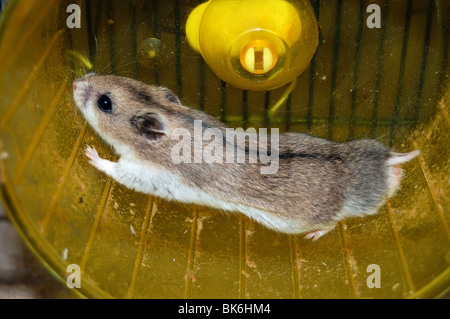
(165,184)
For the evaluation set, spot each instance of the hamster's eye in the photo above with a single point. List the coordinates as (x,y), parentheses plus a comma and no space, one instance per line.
(104,103)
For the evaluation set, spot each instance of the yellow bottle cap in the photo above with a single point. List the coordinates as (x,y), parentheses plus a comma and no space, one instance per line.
(254,44)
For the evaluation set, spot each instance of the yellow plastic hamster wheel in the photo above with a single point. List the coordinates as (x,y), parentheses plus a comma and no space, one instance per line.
(388,82)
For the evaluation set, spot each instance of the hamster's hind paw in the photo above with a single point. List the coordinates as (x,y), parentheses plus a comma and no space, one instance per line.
(314,235)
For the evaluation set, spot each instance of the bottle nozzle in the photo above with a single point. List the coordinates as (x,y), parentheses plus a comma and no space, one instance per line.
(258,57)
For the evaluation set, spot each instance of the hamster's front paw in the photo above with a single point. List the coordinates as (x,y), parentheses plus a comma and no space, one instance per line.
(97,161)
(91,152)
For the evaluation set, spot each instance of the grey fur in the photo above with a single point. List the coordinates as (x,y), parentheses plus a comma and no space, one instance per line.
(318,182)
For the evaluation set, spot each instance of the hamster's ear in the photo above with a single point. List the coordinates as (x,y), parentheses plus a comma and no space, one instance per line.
(150,126)
(171,97)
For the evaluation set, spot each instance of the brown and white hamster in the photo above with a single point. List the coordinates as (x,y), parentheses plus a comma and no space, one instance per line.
(317,184)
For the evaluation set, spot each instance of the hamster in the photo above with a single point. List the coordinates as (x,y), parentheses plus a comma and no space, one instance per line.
(317,183)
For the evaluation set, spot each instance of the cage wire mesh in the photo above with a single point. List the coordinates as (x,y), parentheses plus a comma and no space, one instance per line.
(353,76)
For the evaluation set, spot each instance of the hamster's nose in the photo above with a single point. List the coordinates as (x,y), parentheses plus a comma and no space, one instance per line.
(74,85)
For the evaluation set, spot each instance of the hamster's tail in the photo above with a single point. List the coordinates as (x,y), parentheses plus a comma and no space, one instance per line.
(399,158)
